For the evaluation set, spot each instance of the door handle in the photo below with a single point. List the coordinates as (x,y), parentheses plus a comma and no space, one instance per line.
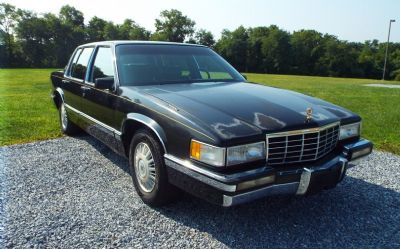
(85,88)
(65,81)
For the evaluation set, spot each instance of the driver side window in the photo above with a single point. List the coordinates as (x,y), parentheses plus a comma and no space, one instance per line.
(103,65)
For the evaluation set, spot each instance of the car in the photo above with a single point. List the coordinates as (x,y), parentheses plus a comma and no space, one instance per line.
(188,121)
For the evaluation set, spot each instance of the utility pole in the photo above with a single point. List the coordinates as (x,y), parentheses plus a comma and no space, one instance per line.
(387,48)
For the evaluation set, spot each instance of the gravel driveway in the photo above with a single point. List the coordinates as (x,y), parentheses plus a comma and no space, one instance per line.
(75,192)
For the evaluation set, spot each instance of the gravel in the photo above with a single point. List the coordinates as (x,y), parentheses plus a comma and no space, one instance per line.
(76,193)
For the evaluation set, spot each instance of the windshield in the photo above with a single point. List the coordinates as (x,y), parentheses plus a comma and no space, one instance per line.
(143,64)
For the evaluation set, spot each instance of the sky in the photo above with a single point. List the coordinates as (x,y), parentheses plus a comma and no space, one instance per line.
(352,20)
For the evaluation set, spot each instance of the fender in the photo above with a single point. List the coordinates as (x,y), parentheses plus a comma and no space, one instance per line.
(151,124)
(60,92)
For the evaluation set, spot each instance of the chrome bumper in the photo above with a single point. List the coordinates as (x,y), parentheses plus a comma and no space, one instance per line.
(204,183)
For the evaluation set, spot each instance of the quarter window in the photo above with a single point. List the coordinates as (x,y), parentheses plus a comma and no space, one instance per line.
(103,64)
(79,68)
(74,60)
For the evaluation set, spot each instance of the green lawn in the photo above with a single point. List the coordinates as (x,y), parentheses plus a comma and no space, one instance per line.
(27,113)
(379,107)
(26,109)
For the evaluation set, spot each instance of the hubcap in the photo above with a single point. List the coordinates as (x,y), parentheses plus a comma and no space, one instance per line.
(64,118)
(145,169)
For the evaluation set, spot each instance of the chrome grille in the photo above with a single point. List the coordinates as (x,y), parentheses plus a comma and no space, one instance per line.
(301,145)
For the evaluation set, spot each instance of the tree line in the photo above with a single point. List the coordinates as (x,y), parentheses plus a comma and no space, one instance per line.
(47,40)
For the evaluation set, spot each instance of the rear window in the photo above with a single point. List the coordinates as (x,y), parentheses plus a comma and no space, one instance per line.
(78,69)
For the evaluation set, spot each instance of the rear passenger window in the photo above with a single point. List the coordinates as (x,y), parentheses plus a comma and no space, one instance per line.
(78,69)
(74,60)
(103,64)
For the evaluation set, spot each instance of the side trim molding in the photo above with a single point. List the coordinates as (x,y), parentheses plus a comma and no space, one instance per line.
(117,132)
(151,124)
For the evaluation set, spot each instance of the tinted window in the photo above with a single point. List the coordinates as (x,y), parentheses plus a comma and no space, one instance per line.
(140,64)
(103,64)
(73,62)
(79,69)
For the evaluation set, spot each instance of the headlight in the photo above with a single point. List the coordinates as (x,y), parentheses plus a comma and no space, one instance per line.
(350,130)
(207,153)
(245,153)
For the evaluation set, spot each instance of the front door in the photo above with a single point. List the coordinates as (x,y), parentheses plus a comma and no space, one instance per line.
(99,104)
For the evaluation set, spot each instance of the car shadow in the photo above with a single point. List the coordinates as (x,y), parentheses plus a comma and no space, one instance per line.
(355,214)
(103,149)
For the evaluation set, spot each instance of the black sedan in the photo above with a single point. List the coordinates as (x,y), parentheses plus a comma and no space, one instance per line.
(187,120)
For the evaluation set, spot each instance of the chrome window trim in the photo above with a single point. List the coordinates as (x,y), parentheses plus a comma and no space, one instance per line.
(93,60)
(117,132)
(116,72)
(68,73)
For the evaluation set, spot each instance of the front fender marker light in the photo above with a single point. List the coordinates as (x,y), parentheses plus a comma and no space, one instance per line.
(208,154)
(195,148)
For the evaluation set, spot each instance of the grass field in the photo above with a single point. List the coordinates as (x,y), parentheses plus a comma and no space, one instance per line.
(27,113)
(26,109)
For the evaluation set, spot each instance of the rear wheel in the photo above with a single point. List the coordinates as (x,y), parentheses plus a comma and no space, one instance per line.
(148,170)
(67,127)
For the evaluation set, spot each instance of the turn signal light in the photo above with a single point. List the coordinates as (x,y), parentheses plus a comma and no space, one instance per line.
(195,148)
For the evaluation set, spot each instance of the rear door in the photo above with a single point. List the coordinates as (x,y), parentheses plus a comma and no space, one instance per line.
(71,89)
(74,78)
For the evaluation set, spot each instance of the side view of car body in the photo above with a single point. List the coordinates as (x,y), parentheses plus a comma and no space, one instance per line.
(187,120)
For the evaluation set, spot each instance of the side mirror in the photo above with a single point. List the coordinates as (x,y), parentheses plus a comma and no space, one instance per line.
(244,76)
(104,83)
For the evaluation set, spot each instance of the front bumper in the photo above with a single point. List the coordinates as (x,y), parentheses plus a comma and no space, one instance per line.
(237,188)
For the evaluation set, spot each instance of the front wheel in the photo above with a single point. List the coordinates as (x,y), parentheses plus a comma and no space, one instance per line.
(67,127)
(148,170)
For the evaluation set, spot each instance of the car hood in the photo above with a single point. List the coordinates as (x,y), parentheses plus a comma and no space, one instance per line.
(239,109)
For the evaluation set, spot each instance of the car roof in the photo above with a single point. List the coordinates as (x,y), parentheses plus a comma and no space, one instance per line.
(118,42)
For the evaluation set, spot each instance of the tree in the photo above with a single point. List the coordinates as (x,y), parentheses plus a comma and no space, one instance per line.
(72,16)
(205,38)
(8,19)
(254,49)
(111,31)
(233,47)
(130,30)
(276,51)
(33,34)
(173,26)
(73,31)
(95,29)
(307,47)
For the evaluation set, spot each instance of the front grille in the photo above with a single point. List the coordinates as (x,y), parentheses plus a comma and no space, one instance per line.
(302,145)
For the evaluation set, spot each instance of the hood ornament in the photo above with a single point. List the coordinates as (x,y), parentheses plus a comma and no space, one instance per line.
(309,112)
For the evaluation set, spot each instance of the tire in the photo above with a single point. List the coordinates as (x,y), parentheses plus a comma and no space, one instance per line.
(66,125)
(148,170)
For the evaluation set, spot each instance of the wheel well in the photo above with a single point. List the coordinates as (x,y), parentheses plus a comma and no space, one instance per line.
(129,129)
(57,99)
